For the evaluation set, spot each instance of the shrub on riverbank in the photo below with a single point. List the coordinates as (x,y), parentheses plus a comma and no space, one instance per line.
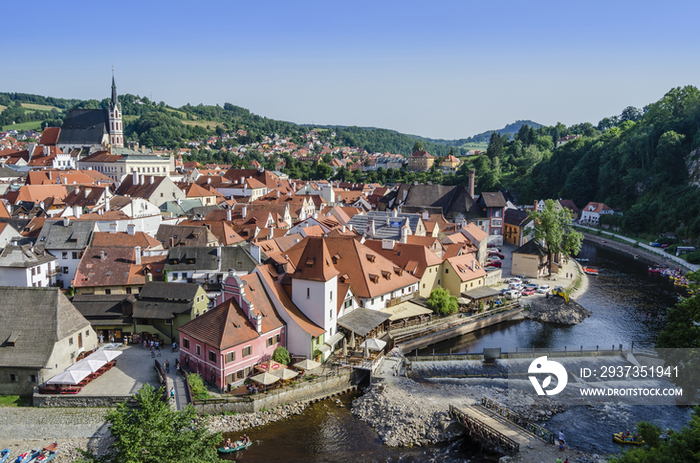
(199,390)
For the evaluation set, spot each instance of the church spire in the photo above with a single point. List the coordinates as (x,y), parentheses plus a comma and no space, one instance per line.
(115,100)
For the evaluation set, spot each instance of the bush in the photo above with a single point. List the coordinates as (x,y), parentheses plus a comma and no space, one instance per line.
(281,355)
(199,390)
(442,302)
(692,257)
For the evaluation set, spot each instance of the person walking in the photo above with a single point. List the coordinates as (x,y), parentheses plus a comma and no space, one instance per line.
(102,339)
(160,351)
(167,366)
(172,393)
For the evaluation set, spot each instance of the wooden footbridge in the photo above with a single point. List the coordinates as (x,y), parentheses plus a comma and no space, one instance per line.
(496,426)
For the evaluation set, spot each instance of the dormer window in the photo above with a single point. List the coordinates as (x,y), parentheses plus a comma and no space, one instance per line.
(371,257)
(310,263)
(374,278)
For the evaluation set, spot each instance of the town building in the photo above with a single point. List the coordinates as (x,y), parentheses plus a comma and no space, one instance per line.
(66,240)
(27,265)
(420,161)
(42,334)
(592,212)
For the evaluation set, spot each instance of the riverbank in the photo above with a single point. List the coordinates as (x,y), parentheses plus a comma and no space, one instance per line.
(642,254)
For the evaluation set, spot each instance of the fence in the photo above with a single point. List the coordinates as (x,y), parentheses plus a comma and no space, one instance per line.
(522,353)
(513,417)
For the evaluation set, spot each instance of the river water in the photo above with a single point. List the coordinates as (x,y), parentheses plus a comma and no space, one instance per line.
(628,306)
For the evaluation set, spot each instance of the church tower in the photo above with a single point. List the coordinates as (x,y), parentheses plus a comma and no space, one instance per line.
(116,129)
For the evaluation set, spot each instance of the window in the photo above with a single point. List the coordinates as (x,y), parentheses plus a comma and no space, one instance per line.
(175,276)
(65,270)
(247,351)
(447,270)
(64,255)
(128,290)
(330,332)
(70,341)
(330,314)
(75,255)
(308,293)
(246,371)
(230,357)
(87,333)
(278,338)
(186,343)
(348,303)
(372,303)
(32,378)
(270,342)
(331,295)
(198,349)
(212,356)
(423,285)
(13,378)
(240,374)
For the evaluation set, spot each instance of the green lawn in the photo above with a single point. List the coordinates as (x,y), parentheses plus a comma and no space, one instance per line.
(15,401)
(36,125)
(2,108)
(204,124)
(39,107)
(181,113)
(475,146)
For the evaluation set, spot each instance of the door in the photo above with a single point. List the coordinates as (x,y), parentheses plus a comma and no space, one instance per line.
(80,340)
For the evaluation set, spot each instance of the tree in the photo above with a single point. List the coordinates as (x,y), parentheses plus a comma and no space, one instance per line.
(442,302)
(495,148)
(153,432)
(418,146)
(281,355)
(553,228)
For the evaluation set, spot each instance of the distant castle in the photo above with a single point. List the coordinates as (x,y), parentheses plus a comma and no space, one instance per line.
(93,129)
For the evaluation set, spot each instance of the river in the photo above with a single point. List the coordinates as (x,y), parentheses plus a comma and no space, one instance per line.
(628,306)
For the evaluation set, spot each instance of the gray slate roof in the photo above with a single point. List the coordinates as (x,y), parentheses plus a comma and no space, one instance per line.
(382,230)
(531,248)
(454,201)
(361,321)
(84,126)
(480,293)
(25,256)
(76,236)
(38,317)
(205,259)
(106,308)
(161,300)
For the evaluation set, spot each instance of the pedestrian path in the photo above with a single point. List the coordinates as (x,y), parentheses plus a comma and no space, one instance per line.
(646,247)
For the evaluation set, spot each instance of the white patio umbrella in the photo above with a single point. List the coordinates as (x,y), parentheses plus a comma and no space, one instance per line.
(345,347)
(88,364)
(373,344)
(352,340)
(105,354)
(265,378)
(307,364)
(70,377)
(285,373)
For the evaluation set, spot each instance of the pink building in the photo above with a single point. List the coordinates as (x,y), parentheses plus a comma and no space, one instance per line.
(225,343)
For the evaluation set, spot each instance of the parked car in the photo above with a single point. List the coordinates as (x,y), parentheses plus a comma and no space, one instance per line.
(532,285)
(543,289)
(656,245)
(503,291)
(514,280)
(665,245)
(515,286)
(528,292)
(513,294)
(496,254)
(495,263)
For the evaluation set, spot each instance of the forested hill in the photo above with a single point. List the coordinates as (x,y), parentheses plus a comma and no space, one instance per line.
(645,163)
(157,124)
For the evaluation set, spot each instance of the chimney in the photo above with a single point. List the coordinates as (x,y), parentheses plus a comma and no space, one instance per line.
(66,221)
(142,180)
(426,216)
(137,255)
(208,180)
(78,211)
(228,215)
(242,180)
(271,234)
(404,234)
(179,201)
(218,253)
(473,264)
(258,324)
(244,211)
(278,193)
(112,227)
(50,175)
(131,229)
(152,179)
(343,228)
(87,192)
(350,226)
(471,183)
(103,256)
(134,178)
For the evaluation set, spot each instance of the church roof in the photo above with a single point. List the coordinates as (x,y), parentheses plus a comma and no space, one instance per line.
(84,126)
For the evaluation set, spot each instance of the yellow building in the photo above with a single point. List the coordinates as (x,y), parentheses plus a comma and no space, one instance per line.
(530,260)
(449,165)
(420,161)
(462,273)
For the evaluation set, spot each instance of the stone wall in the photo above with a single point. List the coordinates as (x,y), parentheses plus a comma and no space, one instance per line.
(493,277)
(315,390)
(67,400)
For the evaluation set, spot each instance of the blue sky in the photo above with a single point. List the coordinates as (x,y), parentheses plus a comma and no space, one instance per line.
(436,69)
